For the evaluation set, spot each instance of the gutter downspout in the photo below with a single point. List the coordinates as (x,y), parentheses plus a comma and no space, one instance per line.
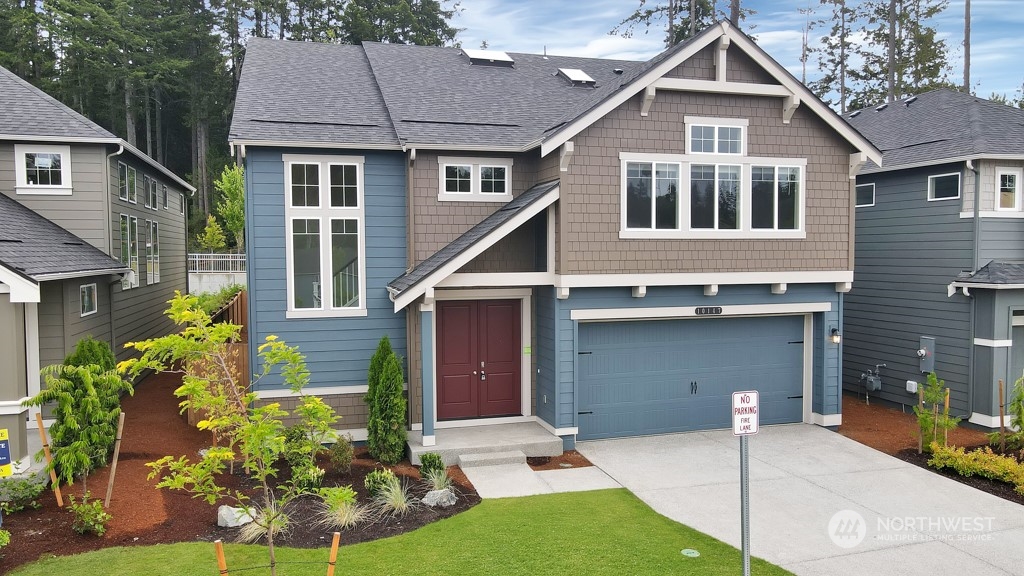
(975,256)
(108,236)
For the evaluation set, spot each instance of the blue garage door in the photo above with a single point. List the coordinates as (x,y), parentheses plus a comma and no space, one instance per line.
(660,376)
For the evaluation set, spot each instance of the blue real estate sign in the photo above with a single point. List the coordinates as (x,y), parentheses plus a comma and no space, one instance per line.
(5,454)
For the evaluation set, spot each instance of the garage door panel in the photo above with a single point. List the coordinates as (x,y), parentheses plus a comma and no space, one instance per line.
(652,377)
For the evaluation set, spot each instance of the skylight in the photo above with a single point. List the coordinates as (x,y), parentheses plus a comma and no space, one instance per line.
(488,57)
(576,76)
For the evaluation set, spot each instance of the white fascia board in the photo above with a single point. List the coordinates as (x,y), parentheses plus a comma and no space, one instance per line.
(716,87)
(21,289)
(702,279)
(665,312)
(413,292)
(938,161)
(80,274)
(330,145)
(976,286)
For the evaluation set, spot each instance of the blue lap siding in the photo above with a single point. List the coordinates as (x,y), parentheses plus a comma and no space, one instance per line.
(337,350)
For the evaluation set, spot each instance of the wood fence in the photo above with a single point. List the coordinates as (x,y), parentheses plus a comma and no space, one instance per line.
(235,311)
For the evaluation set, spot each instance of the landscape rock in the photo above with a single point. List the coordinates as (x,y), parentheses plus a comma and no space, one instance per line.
(442,498)
(229,517)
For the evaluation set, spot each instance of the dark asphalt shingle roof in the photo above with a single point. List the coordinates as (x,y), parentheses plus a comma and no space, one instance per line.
(28,111)
(34,246)
(940,125)
(471,237)
(393,94)
(996,272)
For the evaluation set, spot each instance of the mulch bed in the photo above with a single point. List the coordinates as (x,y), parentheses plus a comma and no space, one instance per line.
(994,487)
(144,515)
(568,459)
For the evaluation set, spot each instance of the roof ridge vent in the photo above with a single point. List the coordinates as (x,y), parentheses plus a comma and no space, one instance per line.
(576,77)
(488,58)
(910,101)
(882,107)
(855,114)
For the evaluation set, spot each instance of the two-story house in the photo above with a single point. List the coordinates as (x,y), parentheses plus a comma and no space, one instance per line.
(940,252)
(606,248)
(92,241)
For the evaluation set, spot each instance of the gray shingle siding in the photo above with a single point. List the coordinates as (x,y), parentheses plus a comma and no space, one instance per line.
(907,252)
(337,350)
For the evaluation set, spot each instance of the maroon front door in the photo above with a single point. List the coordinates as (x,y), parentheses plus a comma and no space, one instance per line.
(478,359)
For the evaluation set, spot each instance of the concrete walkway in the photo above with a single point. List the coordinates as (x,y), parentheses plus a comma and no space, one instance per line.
(508,480)
(821,504)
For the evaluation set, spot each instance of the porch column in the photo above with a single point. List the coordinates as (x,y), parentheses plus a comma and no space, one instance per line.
(427,371)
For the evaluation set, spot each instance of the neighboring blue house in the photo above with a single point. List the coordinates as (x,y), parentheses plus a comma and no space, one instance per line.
(936,269)
(603,248)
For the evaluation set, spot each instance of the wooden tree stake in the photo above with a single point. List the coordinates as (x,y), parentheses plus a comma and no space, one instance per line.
(222,564)
(920,409)
(334,554)
(945,421)
(49,459)
(1002,419)
(113,464)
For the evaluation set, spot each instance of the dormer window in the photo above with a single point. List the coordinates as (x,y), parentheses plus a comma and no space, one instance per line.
(475,179)
(42,169)
(726,136)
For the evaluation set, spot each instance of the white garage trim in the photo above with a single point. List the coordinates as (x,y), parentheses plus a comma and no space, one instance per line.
(828,419)
(668,312)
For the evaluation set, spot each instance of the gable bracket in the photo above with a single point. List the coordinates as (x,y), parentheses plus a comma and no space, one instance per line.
(720,58)
(857,160)
(645,105)
(789,106)
(566,156)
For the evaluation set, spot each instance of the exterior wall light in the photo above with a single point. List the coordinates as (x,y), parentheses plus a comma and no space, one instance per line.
(835,336)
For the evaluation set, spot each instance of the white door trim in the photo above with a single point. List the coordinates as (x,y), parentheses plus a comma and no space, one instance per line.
(32,357)
(525,296)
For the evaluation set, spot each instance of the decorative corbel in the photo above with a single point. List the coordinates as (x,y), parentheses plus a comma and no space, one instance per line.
(857,160)
(843,287)
(645,105)
(639,291)
(711,290)
(566,156)
(428,297)
(779,288)
(789,106)
(412,157)
(562,292)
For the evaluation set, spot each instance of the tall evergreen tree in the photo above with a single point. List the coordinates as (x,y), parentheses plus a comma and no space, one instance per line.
(835,52)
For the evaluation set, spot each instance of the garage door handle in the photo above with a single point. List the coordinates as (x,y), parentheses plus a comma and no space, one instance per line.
(795,397)
(587,412)
(582,353)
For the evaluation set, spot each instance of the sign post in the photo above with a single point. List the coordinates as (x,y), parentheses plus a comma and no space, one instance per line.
(744,424)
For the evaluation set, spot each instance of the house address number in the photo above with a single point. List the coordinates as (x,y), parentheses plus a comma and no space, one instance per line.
(707,310)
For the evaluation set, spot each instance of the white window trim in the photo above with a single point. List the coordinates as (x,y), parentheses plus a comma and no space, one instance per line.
(476,165)
(931,187)
(181,207)
(133,185)
(121,165)
(21,177)
(872,184)
(745,205)
(146,180)
(1017,173)
(324,213)
(95,295)
(741,123)
(156,252)
(163,192)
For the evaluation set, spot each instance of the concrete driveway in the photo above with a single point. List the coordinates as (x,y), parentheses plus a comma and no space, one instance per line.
(820,502)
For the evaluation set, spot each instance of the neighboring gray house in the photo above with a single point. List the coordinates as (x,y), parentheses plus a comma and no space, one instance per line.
(603,248)
(98,190)
(932,261)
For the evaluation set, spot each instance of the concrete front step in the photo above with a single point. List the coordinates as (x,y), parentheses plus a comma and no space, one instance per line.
(491,459)
(529,438)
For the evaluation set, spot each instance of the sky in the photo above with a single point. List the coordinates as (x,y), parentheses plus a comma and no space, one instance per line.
(581,28)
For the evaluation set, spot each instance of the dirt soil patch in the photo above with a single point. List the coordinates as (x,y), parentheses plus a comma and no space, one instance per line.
(144,515)
(568,459)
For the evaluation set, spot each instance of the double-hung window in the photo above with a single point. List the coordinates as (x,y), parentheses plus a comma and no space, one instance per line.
(475,179)
(87,299)
(152,191)
(715,190)
(132,185)
(128,251)
(146,184)
(326,263)
(122,181)
(152,252)
(1008,189)
(42,169)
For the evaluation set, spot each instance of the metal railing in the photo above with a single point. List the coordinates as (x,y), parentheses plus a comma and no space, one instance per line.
(200,263)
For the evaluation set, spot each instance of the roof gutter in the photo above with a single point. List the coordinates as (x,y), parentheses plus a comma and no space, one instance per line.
(79,274)
(951,160)
(107,233)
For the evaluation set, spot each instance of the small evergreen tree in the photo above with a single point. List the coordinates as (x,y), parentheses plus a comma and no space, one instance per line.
(934,421)
(212,238)
(386,402)
(231,207)
(372,384)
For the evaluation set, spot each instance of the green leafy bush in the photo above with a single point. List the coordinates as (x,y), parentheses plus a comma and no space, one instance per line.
(211,302)
(16,494)
(430,461)
(89,351)
(378,479)
(386,401)
(90,517)
(1015,437)
(307,479)
(342,453)
(933,421)
(5,539)
(981,462)
(339,509)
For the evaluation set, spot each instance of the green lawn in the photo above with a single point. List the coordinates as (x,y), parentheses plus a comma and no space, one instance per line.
(604,532)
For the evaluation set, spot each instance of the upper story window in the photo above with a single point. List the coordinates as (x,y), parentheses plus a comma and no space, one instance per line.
(87,299)
(147,184)
(1008,189)
(128,249)
(42,169)
(944,186)
(163,195)
(181,205)
(475,179)
(865,195)
(325,254)
(127,183)
(716,135)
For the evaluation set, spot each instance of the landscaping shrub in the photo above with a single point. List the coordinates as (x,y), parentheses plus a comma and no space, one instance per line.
(393,500)
(90,517)
(339,509)
(981,462)
(437,479)
(89,351)
(307,479)
(376,481)
(211,302)
(386,421)
(430,461)
(16,494)
(5,539)
(933,420)
(1014,437)
(342,453)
